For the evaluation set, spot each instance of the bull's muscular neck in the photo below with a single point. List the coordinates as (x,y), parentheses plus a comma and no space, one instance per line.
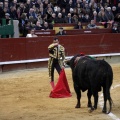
(77,59)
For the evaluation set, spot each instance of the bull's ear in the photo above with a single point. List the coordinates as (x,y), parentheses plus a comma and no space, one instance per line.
(67,62)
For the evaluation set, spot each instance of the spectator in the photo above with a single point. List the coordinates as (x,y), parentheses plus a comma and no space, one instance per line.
(13,12)
(79,2)
(18,13)
(71,12)
(28,5)
(95,17)
(32,3)
(5,10)
(39,18)
(103,2)
(45,3)
(79,9)
(1,5)
(26,29)
(103,19)
(46,26)
(36,10)
(69,19)
(114,11)
(59,19)
(32,33)
(69,5)
(83,4)
(49,13)
(86,9)
(6,5)
(22,23)
(57,11)
(118,8)
(23,19)
(38,26)
(93,5)
(22,8)
(92,25)
(63,13)
(80,17)
(61,31)
(41,11)
(2,14)
(32,20)
(7,17)
(98,7)
(32,13)
(115,28)
(37,4)
(53,19)
(14,3)
(62,3)
(78,26)
(75,18)
(117,18)
(109,16)
(86,18)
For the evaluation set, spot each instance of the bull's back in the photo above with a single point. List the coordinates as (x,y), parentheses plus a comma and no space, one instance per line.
(107,71)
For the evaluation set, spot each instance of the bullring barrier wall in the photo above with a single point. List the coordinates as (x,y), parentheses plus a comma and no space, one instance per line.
(33,49)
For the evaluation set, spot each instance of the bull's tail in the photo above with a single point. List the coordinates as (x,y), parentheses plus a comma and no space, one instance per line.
(109,80)
(110,104)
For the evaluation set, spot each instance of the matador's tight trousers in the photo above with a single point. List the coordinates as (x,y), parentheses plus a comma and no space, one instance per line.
(53,64)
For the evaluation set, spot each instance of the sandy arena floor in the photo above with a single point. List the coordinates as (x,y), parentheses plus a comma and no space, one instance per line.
(24,95)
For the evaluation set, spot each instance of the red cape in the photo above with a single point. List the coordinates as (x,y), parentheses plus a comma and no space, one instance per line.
(61,89)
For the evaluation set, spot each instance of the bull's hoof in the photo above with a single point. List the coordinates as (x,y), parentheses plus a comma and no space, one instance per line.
(77,106)
(91,109)
(104,111)
(95,107)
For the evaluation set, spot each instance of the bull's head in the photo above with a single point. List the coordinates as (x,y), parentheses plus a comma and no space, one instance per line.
(73,61)
(67,62)
(70,63)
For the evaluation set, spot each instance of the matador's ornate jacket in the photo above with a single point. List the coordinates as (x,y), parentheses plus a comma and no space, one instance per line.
(56,53)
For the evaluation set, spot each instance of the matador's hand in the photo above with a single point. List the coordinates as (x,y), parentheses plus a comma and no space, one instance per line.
(63,67)
(55,44)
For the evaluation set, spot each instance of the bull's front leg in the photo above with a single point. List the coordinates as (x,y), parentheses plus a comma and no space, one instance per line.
(78,93)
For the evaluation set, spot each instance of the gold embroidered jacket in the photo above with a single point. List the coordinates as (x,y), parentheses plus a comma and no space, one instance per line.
(56,52)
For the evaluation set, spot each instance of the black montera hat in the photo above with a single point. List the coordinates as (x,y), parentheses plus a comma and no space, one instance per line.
(55,38)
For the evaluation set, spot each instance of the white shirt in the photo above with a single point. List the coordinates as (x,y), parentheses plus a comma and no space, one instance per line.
(30,35)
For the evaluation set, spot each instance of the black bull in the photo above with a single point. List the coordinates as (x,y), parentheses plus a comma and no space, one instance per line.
(92,75)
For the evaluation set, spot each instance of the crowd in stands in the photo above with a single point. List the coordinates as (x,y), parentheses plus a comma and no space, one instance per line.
(42,14)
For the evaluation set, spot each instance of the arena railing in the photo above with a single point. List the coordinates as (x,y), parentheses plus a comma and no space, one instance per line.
(46,59)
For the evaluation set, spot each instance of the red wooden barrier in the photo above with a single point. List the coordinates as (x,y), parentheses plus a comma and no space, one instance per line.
(88,31)
(14,49)
(35,48)
(45,32)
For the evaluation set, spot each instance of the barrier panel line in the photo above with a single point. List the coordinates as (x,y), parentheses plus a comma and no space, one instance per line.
(46,59)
